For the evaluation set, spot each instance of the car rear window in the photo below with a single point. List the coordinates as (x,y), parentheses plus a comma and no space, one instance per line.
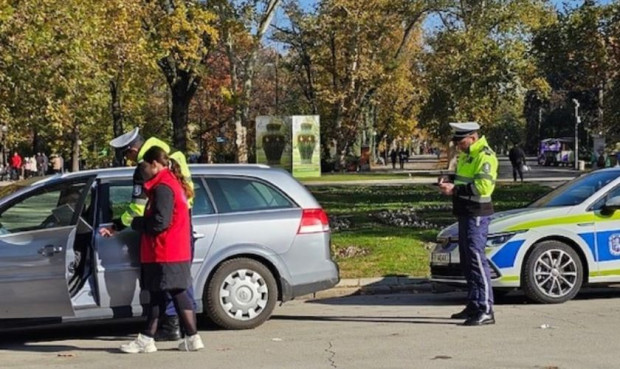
(243,194)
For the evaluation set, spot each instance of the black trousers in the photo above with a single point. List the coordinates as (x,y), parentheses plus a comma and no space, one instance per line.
(517,169)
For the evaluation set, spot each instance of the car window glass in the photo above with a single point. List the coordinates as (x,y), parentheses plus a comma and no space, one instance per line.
(615,192)
(119,198)
(202,204)
(577,190)
(53,207)
(237,194)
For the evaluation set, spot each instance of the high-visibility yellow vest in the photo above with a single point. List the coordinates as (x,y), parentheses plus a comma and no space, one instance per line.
(476,173)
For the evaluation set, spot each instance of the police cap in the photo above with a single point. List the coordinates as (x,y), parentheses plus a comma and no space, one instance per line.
(125,141)
(464,129)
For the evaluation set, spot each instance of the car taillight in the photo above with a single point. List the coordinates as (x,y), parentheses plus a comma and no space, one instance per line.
(313,221)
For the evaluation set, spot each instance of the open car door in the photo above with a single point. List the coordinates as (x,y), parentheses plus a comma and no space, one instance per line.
(36,230)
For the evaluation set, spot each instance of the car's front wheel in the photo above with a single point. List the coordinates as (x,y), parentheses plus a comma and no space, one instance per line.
(553,273)
(241,294)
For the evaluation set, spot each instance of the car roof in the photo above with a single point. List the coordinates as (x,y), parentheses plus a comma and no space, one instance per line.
(238,169)
(278,176)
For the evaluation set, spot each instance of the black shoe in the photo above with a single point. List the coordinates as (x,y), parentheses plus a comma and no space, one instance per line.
(464,314)
(480,319)
(169,329)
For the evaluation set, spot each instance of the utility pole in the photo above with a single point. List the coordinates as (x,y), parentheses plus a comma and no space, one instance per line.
(577,121)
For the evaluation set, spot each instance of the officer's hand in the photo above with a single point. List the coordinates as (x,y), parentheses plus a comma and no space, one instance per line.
(446,188)
(107,231)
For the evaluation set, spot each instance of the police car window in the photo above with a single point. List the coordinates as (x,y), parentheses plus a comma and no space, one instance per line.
(577,190)
(598,205)
(232,195)
(202,204)
(53,207)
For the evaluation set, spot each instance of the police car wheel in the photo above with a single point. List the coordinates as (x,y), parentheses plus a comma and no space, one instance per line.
(241,294)
(552,273)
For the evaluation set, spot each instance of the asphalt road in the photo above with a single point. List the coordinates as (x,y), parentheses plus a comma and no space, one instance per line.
(379,331)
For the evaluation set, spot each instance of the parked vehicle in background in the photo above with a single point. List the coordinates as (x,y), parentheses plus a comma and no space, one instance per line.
(567,238)
(260,237)
(557,151)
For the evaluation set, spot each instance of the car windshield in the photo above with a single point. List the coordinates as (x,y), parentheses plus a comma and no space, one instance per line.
(577,190)
(13,187)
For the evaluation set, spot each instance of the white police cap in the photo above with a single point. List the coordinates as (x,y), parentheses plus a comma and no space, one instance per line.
(125,140)
(464,129)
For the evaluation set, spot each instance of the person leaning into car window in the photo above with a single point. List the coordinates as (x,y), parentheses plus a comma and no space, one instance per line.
(134,147)
(474,182)
(165,250)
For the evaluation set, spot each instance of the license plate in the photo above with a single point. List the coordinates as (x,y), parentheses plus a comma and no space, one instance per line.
(440,259)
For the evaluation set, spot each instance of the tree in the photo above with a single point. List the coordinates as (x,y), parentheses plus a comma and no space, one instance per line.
(181,32)
(478,60)
(243,25)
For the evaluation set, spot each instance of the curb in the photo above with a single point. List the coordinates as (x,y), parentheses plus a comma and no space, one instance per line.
(373,286)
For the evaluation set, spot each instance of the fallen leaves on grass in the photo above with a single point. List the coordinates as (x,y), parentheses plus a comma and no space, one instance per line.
(351,252)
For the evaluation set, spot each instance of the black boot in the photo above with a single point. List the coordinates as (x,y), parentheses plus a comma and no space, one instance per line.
(169,329)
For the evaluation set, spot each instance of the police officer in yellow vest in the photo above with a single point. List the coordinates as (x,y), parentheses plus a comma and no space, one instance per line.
(474,182)
(134,146)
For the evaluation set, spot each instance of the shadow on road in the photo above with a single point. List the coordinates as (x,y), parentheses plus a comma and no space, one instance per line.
(454,297)
(371,319)
(26,339)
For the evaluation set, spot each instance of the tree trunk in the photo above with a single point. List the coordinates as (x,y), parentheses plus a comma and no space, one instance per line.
(183,85)
(117,119)
(75,152)
(179,116)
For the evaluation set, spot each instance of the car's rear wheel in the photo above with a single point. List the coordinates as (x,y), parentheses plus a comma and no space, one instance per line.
(241,294)
(553,273)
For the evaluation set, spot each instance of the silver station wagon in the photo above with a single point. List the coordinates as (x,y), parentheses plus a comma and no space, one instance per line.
(261,237)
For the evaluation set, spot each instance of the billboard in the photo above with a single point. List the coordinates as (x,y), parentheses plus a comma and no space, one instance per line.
(306,146)
(291,143)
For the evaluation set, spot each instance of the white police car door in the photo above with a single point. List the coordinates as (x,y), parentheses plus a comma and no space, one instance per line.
(37,229)
(608,240)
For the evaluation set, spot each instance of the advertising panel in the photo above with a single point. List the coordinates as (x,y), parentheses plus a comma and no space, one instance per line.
(306,146)
(290,142)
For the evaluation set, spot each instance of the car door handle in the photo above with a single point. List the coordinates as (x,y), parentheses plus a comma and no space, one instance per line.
(50,250)
(585,224)
(198,235)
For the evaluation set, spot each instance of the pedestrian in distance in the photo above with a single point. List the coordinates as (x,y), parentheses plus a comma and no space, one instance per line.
(165,250)
(16,166)
(134,147)
(402,157)
(471,189)
(39,160)
(393,156)
(517,160)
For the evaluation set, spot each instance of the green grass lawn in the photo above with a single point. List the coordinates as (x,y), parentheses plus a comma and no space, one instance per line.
(369,247)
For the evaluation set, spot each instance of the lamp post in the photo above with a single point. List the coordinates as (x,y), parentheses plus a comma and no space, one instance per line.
(577,121)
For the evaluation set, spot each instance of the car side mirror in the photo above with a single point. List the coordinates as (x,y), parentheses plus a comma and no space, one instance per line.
(611,205)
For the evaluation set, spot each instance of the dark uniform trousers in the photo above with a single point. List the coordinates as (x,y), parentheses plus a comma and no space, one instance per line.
(472,242)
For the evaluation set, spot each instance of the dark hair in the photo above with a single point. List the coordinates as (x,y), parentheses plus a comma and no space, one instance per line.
(157,154)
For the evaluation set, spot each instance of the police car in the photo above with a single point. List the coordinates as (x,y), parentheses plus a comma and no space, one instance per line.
(564,240)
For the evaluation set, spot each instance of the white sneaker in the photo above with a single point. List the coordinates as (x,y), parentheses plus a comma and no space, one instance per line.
(142,344)
(192,343)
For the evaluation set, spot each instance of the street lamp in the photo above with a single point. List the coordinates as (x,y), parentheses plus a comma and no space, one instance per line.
(577,121)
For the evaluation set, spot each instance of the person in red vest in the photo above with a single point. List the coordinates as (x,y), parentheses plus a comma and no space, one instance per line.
(165,250)
(16,165)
